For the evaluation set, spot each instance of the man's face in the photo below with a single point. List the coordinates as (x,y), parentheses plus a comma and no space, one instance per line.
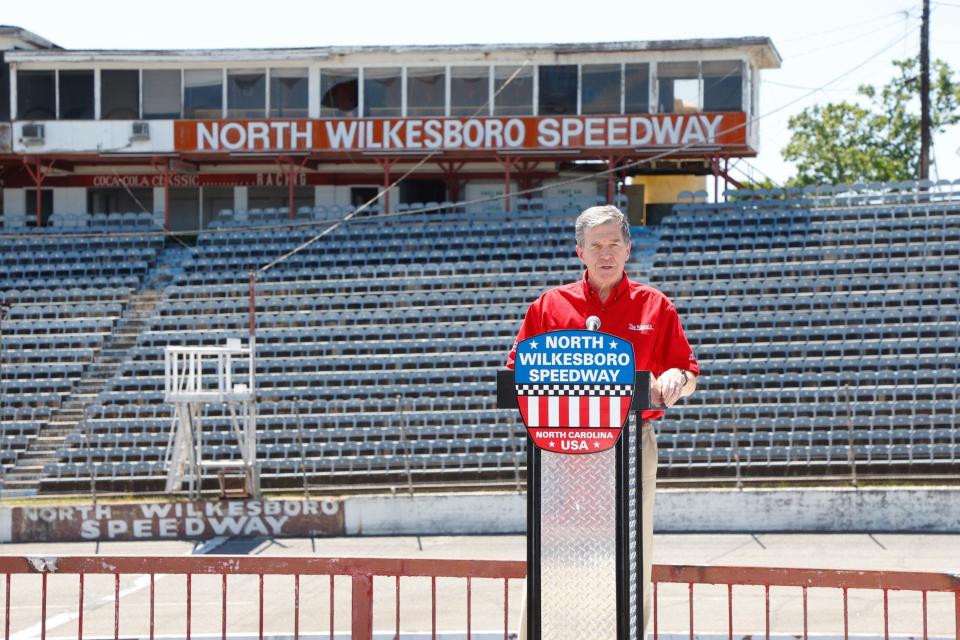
(604,253)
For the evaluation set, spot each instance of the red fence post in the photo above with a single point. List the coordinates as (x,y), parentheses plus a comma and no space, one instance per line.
(331,607)
(189,604)
(260,636)
(956,609)
(116,607)
(80,611)
(43,610)
(6,608)
(362,625)
(223,608)
(296,607)
(152,609)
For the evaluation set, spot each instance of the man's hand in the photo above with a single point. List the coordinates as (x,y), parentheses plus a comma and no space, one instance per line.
(668,388)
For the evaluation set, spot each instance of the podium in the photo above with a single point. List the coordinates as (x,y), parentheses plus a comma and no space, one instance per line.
(584,544)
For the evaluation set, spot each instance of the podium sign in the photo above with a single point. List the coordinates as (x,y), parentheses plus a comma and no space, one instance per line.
(575,391)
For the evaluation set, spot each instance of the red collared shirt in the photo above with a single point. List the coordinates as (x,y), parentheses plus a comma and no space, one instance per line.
(633,311)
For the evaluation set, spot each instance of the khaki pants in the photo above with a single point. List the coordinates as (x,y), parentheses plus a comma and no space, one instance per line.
(648,487)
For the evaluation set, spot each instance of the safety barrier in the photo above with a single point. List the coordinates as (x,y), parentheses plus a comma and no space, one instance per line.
(806,579)
(361,573)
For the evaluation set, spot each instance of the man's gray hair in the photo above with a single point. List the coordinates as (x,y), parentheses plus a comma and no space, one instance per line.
(595,216)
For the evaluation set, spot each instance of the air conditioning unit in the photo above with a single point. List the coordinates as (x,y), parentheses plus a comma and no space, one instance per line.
(140,131)
(32,133)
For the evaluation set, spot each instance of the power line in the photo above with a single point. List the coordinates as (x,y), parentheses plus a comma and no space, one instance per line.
(754,167)
(839,43)
(805,88)
(906,11)
(843,75)
(925,138)
(368,203)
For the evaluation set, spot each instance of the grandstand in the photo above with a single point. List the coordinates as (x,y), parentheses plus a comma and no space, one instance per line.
(374,359)
(830,323)
(142,188)
(831,327)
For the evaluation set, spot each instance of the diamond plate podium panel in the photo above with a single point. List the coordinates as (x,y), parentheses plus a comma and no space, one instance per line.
(578,544)
(583,532)
(578,578)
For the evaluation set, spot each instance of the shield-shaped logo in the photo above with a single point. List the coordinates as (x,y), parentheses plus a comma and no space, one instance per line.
(574,389)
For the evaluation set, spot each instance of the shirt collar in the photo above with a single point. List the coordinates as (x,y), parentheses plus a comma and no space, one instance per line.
(618,290)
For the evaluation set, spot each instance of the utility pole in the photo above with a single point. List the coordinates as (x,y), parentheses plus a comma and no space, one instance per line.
(925,93)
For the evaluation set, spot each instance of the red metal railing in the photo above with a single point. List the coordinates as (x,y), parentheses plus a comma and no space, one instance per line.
(805,579)
(362,571)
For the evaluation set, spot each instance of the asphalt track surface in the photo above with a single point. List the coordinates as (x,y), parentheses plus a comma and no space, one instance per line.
(905,552)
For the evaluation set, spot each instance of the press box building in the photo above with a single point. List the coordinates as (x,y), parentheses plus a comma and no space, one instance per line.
(184,134)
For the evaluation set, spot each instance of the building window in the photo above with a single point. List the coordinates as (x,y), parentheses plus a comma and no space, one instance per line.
(425,91)
(119,94)
(288,93)
(46,206)
(636,88)
(246,93)
(36,95)
(513,91)
(203,93)
(679,87)
(4,90)
(339,93)
(723,85)
(161,94)
(558,90)
(600,91)
(381,92)
(469,91)
(119,200)
(76,95)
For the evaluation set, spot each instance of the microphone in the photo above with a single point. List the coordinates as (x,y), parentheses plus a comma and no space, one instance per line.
(593,323)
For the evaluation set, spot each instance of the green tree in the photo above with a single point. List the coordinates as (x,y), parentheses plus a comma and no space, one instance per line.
(875,141)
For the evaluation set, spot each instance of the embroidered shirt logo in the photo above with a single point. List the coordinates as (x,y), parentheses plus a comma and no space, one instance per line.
(640,327)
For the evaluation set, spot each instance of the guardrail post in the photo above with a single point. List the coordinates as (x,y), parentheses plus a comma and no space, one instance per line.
(362,608)
(956,608)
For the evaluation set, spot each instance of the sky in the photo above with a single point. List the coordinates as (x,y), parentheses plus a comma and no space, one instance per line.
(829,47)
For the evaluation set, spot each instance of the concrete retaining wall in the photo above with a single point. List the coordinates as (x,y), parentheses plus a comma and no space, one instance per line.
(932,510)
(929,510)
(678,511)
(457,514)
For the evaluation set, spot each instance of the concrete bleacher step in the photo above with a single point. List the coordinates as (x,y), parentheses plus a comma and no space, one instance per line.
(64,422)
(92,385)
(169,264)
(28,471)
(20,486)
(12,492)
(36,459)
(59,429)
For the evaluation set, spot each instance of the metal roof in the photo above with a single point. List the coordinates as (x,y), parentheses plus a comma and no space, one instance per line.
(765,53)
(26,36)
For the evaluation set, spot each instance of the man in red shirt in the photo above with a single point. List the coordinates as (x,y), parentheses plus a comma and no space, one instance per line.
(632,311)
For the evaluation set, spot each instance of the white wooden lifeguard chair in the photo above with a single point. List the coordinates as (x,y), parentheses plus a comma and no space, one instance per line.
(190,383)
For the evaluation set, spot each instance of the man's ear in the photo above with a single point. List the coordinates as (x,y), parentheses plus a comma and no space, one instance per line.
(580,253)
